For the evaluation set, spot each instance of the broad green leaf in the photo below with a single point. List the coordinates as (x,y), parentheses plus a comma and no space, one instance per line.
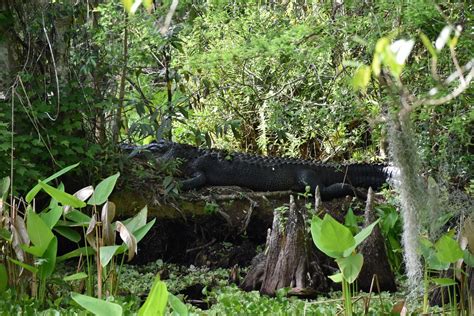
(76,276)
(138,221)
(336,278)
(468,258)
(106,254)
(156,301)
(3,278)
(78,217)
(69,233)
(426,41)
(96,306)
(361,78)
(350,266)
(177,306)
(103,190)
(52,216)
(443,281)
(37,188)
(5,234)
(84,251)
(39,233)
(46,269)
(334,238)
(448,250)
(142,231)
(62,197)
(364,233)
(25,266)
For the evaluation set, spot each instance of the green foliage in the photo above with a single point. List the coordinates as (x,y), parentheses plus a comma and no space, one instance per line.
(97,306)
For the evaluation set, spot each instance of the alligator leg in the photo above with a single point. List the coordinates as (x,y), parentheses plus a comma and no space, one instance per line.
(197,181)
(338,190)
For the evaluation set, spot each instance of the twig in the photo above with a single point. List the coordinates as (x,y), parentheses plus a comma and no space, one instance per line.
(201,247)
(55,70)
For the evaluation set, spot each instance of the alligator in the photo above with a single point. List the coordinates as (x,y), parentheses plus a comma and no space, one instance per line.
(210,167)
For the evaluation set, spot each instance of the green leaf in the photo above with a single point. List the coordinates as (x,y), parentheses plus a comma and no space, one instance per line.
(443,281)
(103,190)
(337,278)
(468,258)
(361,78)
(351,266)
(156,301)
(178,307)
(426,41)
(106,254)
(5,234)
(448,250)
(25,266)
(52,216)
(333,238)
(40,234)
(3,278)
(76,276)
(138,221)
(46,269)
(37,188)
(62,197)
(142,231)
(96,306)
(78,217)
(84,251)
(364,233)
(69,233)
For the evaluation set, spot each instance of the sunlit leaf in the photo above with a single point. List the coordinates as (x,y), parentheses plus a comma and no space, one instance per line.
(429,46)
(156,301)
(37,188)
(28,267)
(96,306)
(364,233)
(75,276)
(103,190)
(443,281)
(361,78)
(337,278)
(39,233)
(448,250)
(83,251)
(106,254)
(69,233)
(350,266)
(52,216)
(178,307)
(47,268)
(62,197)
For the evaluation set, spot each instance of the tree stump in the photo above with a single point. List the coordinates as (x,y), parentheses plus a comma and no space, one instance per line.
(290,260)
(375,257)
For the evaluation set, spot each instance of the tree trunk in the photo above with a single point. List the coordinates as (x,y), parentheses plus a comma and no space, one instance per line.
(375,257)
(290,258)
